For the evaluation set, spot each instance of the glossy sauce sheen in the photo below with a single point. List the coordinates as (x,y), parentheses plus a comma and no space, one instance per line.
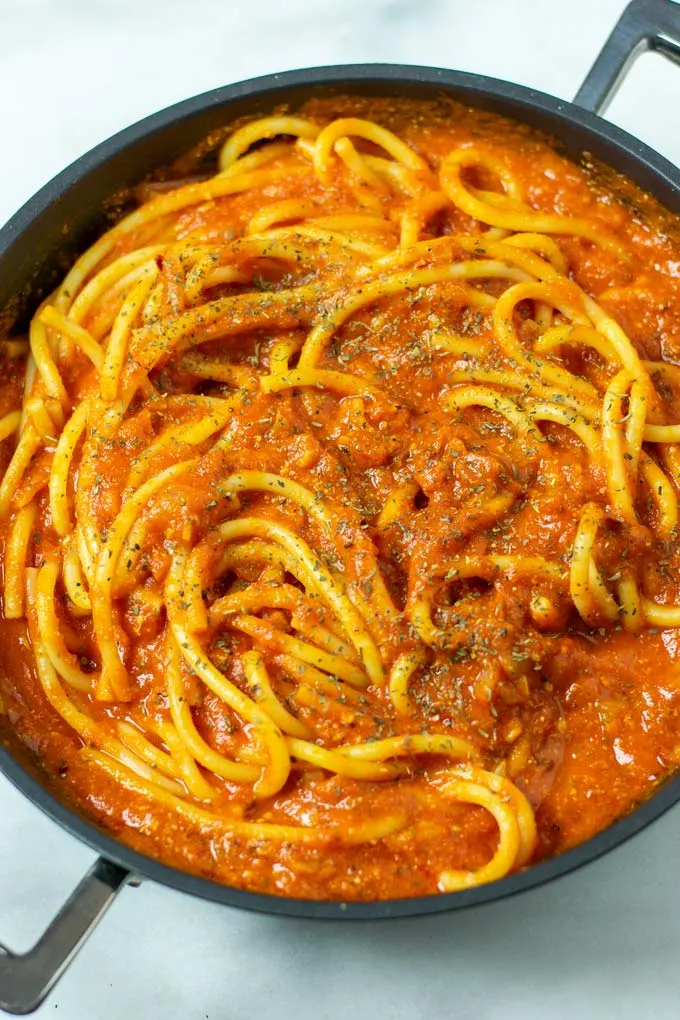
(586,720)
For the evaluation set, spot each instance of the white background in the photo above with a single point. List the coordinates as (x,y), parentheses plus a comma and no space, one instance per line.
(604,943)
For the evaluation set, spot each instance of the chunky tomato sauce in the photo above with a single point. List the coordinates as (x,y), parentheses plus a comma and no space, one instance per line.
(583,719)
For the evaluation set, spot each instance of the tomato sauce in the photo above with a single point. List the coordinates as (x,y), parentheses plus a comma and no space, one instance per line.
(586,720)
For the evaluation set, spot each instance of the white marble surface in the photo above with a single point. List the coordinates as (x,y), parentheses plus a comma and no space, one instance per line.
(601,944)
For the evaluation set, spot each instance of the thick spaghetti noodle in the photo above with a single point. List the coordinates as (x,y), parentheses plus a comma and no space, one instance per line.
(341,506)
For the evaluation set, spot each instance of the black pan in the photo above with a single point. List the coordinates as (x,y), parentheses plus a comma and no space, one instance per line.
(33,249)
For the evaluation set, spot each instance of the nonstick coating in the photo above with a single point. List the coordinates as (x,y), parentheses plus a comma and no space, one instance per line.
(37,244)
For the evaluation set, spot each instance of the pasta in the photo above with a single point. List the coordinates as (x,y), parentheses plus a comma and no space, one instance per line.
(340,509)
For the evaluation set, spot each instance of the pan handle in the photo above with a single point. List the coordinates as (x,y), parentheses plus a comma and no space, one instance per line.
(25,979)
(644,25)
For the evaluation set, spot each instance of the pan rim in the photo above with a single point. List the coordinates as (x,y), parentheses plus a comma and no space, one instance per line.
(467,87)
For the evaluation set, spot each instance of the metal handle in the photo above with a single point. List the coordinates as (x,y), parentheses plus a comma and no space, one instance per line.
(26,979)
(644,25)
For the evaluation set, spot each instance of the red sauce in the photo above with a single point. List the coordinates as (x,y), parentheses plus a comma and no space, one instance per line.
(585,719)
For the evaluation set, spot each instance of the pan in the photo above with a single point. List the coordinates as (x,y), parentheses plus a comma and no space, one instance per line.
(66,215)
